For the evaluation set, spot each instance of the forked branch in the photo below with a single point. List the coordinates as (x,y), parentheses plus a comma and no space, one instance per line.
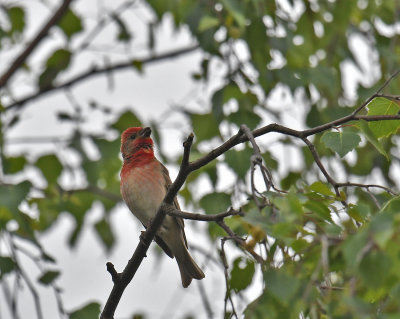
(121,280)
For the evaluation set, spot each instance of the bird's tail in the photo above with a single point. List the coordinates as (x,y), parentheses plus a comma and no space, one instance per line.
(188,268)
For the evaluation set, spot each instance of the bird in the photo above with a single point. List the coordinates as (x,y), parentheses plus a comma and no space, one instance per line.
(144,184)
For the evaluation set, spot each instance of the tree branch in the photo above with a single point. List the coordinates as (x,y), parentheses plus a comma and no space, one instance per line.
(34,43)
(187,167)
(170,210)
(256,160)
(206,302)
(367,186)
(98,71)
(228,288)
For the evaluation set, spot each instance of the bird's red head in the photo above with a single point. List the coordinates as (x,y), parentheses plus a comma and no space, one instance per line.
(136,143)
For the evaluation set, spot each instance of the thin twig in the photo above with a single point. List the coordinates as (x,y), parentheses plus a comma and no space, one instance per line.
(324,287)
(103,22)
(10,300)
(38,262)
(241,242)
(367,186)
(377,93)
(256,160)
(228,296)
(320,165)
(95,190)
(170,210)
(204,299)
(25,277)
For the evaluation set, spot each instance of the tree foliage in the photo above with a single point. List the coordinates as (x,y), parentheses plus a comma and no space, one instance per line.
(318,191)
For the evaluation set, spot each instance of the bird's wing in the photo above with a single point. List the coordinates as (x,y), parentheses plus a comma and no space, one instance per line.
(178,220)
(162,244)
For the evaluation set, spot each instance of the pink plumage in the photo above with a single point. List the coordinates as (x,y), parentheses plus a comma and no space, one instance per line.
(144,183)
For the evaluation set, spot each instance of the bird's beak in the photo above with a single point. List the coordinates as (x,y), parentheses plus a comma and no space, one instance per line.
(145,132)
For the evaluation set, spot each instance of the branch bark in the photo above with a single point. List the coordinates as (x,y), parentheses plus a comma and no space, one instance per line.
(170,210)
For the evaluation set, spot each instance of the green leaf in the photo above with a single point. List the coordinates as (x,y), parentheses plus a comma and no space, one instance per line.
(48,277)
(382,106)
(370,135)
(138,65)
(299,245)
(218,101)
(241,276)
(392,206)
(270,160)
(12,165)
(321,188)
(318,208)
(341,142)
(352,248)
(10,198)
(245,116)
(17,19)
(89,311)
(234,8)
(382,224)
(215,202)
(204,126)
(359,212)
(239,161)
(64,116)
(125,120)
(109,150)
(290,179)
(70,23)
(105,232)
(374,269)
(50,166)
(281,284)
(6,265)
(290,205)
(207,22)
(57,62)
(257,40)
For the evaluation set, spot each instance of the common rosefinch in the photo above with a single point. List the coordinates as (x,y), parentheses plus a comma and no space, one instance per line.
(144,183)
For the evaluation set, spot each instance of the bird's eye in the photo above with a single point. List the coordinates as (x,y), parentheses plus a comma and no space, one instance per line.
(133,136)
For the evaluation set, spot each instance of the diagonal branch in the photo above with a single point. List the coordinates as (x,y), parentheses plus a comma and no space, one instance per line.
(98,71)
(126,276)
(121,280)
(239,241)
(34,43)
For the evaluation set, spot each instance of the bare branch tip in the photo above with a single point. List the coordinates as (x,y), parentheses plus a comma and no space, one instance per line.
(113,272)
(189,140)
